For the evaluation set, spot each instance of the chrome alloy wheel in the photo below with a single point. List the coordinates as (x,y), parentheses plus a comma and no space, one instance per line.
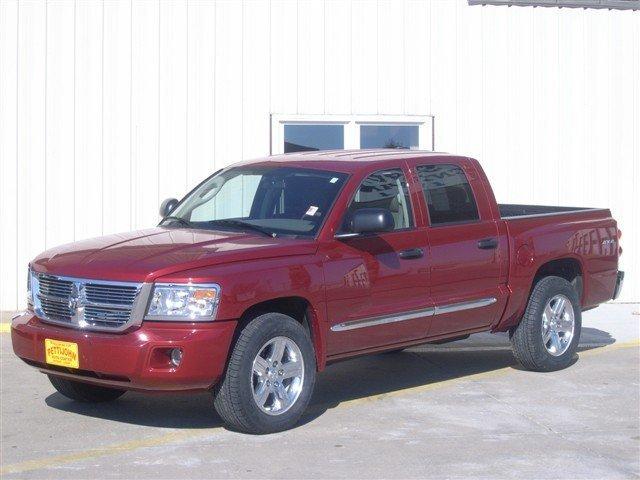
(277,376)
(558,325)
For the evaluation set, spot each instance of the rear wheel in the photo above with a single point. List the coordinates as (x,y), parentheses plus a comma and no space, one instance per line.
(270,376)
(548,334)
(83,392)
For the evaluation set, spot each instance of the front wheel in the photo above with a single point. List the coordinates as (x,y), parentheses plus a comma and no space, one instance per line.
(270,376)
(548,334)
(83,392)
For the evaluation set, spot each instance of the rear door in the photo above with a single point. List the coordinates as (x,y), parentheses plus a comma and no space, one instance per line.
(464,250)
(376,284)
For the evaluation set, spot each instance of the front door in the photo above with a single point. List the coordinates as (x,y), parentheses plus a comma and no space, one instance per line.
(376,285)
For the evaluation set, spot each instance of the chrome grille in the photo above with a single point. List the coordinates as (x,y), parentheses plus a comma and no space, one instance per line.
(54,287)
(55,310)
(116,295)
(104,317)
(83,303)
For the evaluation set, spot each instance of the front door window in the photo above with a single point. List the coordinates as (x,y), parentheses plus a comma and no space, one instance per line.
(386,189)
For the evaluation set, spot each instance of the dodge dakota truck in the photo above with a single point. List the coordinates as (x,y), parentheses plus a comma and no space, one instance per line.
(271,269)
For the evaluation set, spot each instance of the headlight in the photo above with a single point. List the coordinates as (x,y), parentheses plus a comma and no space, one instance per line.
(188,302)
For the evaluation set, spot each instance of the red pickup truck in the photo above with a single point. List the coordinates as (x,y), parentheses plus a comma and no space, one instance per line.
(271,269)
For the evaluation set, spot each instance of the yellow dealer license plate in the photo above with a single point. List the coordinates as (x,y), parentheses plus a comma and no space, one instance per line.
(63,354)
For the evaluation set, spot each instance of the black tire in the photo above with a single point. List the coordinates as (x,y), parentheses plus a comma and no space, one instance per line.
(394,351)
(527,338)
(233,396)
(83,392)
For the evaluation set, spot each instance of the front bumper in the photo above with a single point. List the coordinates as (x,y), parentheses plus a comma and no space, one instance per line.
(619,282)
(133,360)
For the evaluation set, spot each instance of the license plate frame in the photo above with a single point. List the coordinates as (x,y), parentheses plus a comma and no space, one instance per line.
(61,353)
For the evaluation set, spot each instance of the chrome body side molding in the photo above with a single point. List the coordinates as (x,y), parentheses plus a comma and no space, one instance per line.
(456,307)
(372,321)
(411,315)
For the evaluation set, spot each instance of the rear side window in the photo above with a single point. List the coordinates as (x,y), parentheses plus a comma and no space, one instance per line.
(386,189)
(448,194)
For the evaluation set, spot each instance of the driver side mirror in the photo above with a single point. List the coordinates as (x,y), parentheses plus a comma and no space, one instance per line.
(370,220)
(167,206)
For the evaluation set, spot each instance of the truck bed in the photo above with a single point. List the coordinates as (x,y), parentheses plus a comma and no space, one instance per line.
(512,211)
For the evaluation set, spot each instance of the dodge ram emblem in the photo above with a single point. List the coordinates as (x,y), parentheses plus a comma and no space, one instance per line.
(77,301)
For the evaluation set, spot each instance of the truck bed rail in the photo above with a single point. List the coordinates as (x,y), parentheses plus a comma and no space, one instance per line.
(511,211)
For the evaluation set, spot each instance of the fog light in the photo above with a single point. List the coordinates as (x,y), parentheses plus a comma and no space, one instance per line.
(176,356)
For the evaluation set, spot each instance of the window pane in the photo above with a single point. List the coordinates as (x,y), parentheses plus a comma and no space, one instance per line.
(388,136)
(448,194)
(388,190)
(284,200)
(234,200)
(304,138)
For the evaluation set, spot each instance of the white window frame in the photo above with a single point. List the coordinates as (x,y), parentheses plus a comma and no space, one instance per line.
(352,125)
(609,4)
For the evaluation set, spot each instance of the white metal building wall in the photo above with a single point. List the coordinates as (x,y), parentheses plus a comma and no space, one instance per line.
(108,107)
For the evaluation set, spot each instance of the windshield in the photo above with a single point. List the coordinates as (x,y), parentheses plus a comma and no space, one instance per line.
(267,199)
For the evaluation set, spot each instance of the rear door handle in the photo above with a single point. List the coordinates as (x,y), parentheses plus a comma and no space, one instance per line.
(488,243)
(411,253)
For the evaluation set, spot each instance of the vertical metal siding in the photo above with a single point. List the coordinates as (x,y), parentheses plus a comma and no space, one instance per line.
(107,107)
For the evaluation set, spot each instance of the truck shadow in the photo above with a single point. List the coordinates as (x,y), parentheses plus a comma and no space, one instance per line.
(358,378)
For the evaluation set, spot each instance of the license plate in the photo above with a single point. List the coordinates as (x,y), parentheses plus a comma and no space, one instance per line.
(63,354)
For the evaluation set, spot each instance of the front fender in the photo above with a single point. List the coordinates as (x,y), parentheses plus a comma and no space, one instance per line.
(245,284)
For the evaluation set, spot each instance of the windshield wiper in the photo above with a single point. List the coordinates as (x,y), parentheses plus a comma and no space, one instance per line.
(240,224)
(180,220)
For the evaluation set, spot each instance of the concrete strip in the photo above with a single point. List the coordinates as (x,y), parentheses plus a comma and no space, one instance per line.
(175,437)
(169,438)
(183,436)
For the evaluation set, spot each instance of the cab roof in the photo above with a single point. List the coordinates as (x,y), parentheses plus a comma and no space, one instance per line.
(348,160)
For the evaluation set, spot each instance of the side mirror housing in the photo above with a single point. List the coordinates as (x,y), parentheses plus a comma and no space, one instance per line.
(372,220)
(167,206)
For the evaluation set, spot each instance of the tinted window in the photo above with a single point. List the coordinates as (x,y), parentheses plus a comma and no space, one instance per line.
(448,194)
(388,136)
(388,190)
(304,138)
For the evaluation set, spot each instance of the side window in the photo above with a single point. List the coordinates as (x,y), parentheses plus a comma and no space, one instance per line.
(385,189)
(448,194)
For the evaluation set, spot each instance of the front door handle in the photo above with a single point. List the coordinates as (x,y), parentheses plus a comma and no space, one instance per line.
(488,243)
(411,253)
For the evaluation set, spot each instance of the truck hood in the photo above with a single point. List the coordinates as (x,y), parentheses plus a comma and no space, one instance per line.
(144,255)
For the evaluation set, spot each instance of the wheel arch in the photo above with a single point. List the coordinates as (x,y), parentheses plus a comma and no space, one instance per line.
(569,268)
(297,307)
